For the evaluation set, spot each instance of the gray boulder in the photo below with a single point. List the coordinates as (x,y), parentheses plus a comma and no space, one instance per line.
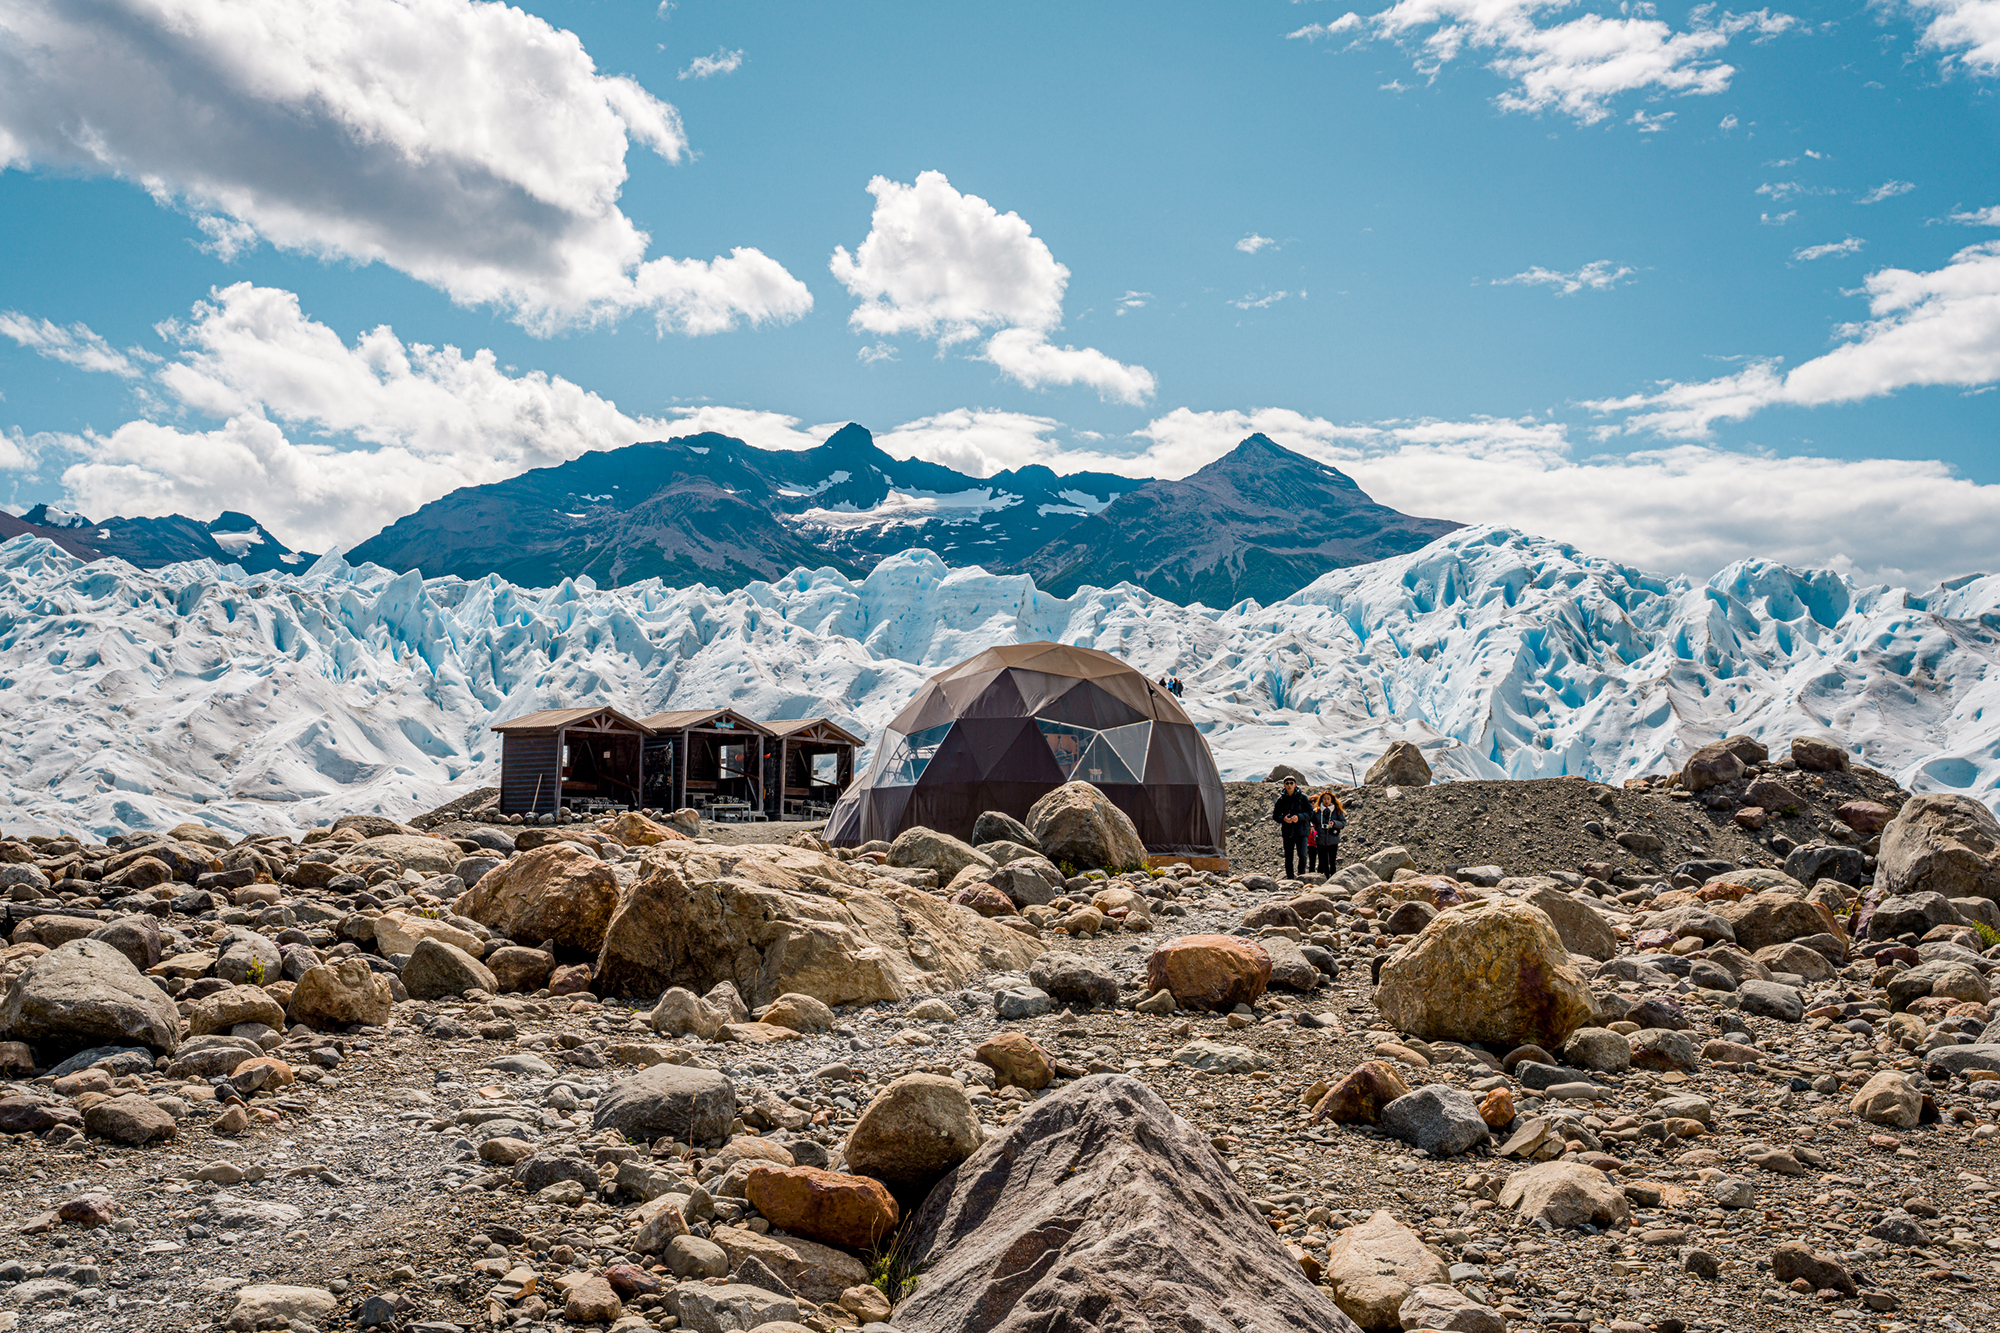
(996,826)
(440,971)
(1910,914)
(926,849)
(1071,978)
(1770,999)
(1099,1208)
(1442,1120)
(87,993)
(1940,843)
(1078,823)
(1825,860)
(674,1102)
(1401,765)
(249,959)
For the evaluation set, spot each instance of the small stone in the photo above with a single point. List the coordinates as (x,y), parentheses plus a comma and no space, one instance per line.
(592,1301)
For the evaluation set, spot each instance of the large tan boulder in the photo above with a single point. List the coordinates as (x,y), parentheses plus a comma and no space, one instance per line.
(399,932)
(1583,928)
(773,919)
(635,830)
(1214,972)
(916,1129)
(1401,765)
(342,993)
(1078,823)
(239,1004)
(425,855)
(1711,766)
(1819,754)
(1777,917)
(560,892)
(1373,1268)
(86,993)
(1492,970)
(1565,1194)
(1889,1098)
(926,849)
(1940,843)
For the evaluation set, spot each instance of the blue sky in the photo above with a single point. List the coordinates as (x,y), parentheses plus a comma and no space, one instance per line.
(1679,285)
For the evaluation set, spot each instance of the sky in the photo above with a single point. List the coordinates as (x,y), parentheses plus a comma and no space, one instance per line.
(1680,285)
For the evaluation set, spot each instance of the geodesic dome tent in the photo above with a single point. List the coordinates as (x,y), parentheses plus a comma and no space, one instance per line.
(1005,727)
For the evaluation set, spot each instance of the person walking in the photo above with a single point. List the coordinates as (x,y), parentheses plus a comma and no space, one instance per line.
(1329,818)
(1292,813)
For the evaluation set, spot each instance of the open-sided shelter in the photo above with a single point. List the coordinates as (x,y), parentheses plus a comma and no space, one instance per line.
(1006,726)
(807,764)
(699,757)
(570,756)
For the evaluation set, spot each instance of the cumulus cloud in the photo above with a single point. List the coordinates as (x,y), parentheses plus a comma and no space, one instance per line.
(1852,245)
(327,442)
(724,61)
(1886,190)
(1935,328)
(1598,275)
(1977,217)
(1966,30)
(1575,67)
(949,266)
(755,426)
(1252,243)
(1651,124)
(976,441)
(77,345)
(472,146)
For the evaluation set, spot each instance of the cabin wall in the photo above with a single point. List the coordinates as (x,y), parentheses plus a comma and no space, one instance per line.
(530,773)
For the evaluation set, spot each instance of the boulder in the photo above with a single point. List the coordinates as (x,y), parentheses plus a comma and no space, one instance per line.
(1797,959)
(633,829)
(1071,978)
(1401,765)
(439,971)
(1582,928)
(916,1129)
(680,1012)
(1375,1267)
(1770,794)
(1290,968)
(1213,972)
(1770,999)
(1017,1061)
(1944,844)
(1078,823)
(996,826)
(1028,882)
(559,892)
(1712,765)
(775,919)
(1865,817)
(1440,1119)
(1775,916)
(686,1105)
(129,1119)
(272,1305)
(423,854)
(851,1211)
(1793,1260)
(86,993)
(399,932)
(801,1013)
(1101,1209)
(517,968)
(1361,1094)
(1889,1098)
(224,1009)
(814,1272)
(339,994)
(1910,914)
(1565,1194)
(1827,860)
(137,937)
(926,849)
(1493,970)
(1447,1310)
(248,958)
(1817,754)
(1598,1049)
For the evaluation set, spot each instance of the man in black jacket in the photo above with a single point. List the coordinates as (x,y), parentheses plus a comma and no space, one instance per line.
(1293,816)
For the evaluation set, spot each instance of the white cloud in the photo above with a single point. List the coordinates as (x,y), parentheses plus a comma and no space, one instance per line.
(724,61)
(1598,275)
(949,266)
(1132,301)
(327,442)
(754,426)
(77,345)
(472,146)
(1729,122)
(874,352)
(1651,124)
(976,441)
(1886,190)
(1252,243)
(1936,328)
(1575,67)
(1970,28)
(1977,217)
(1832,249)
(1252,301)
(1777,219)
(1779,191)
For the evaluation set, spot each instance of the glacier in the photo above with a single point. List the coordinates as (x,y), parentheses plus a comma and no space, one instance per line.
(274,701)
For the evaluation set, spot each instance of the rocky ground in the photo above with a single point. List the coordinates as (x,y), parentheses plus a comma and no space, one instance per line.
(327,1085)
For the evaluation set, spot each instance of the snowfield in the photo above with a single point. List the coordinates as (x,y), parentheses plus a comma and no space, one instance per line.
(276,701)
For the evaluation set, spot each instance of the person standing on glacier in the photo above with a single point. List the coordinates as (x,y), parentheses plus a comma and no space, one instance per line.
(1293,815)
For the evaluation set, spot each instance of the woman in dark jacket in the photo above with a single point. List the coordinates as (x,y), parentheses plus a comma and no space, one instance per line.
(1329,817)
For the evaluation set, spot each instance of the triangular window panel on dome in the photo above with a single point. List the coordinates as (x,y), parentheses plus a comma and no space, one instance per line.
(904,758)
(1067,743)
(1087,755)
(1129,744)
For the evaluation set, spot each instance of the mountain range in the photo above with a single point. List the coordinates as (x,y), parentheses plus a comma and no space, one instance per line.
(1260,522)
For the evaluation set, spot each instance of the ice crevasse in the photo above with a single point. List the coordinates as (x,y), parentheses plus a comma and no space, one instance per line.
(135,698)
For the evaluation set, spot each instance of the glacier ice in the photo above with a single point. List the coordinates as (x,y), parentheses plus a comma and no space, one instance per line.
(133,698)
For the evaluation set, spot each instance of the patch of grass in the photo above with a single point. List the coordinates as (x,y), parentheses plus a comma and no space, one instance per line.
(255,976)
(1987,935)
(1068,868)
(891,1272)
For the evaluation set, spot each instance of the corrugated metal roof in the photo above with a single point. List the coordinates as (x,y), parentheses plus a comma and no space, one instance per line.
(683,719)
(800,724)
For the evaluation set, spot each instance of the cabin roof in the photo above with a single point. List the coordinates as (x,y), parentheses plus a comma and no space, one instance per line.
(801,724)
(554,719)
(702,718)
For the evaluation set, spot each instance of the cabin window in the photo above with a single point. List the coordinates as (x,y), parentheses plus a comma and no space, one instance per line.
(826,769)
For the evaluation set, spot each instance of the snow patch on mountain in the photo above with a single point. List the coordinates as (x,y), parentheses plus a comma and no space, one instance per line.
(137,698)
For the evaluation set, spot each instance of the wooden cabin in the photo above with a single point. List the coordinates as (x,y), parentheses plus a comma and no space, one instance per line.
(807,765)
(709,758)
(585,758)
